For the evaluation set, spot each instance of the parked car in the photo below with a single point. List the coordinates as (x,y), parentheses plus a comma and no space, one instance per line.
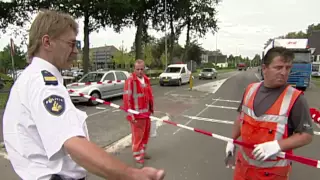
(101,91)
(208,73)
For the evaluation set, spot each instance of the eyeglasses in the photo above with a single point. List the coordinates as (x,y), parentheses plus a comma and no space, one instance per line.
(72,44)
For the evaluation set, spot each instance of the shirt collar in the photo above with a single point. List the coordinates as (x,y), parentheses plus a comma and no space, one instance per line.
(48,66)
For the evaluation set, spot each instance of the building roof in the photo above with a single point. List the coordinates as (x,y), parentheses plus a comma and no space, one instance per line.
(314,42)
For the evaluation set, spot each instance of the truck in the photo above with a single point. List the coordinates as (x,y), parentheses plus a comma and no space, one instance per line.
(241,66)
(300,75)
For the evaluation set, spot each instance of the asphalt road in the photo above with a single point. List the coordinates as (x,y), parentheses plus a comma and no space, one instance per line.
(182,153)
(107,125)
(185,154)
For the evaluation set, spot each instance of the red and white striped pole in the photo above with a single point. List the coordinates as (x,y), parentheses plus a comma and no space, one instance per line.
(300,159)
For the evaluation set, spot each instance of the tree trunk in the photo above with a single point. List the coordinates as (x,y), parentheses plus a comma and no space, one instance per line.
(172,38)
(187,46)
(138,38)
(86,33)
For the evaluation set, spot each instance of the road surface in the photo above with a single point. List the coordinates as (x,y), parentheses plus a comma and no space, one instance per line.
(185,154)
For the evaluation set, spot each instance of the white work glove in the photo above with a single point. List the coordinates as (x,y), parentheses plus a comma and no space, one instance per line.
(265,150)
(230,149)
(230,158)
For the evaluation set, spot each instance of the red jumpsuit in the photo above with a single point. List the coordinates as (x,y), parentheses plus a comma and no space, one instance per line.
(138,97)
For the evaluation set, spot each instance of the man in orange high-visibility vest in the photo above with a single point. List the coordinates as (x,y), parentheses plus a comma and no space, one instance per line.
(138,96)
(274,117)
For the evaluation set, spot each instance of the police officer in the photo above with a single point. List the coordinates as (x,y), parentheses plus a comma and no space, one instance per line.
(44,133)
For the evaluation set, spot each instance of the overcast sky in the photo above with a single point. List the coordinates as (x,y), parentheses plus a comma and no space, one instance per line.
(244,26)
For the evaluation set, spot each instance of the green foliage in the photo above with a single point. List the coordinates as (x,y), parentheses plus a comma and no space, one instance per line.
(6,61)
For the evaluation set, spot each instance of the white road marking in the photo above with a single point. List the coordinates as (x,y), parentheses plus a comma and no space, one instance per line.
(211,87)
(209,120)
(100,108)
(222,121)
(225,100)
(116,110)
(126,141)
(181,95)
(196,115)
(4,155)
(257,76)
(93,114)
(222,107)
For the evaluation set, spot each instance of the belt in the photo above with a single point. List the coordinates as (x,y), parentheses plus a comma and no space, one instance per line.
(58,177)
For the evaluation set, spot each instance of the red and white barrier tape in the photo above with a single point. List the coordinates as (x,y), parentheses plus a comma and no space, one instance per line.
(300,159)
(92,83)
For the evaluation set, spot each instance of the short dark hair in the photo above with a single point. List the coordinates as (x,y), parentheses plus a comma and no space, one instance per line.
(278,51)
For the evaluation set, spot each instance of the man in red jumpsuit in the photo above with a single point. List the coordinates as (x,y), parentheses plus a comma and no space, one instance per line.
(138,96)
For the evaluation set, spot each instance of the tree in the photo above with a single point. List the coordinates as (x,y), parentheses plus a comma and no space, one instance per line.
(6,61)
(195,52)
(97,14)
(199,18)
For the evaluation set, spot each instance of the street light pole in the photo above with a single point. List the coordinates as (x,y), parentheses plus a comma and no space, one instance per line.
(165,30)
(216,49)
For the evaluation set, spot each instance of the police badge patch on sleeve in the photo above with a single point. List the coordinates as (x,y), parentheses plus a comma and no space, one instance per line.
(55,105)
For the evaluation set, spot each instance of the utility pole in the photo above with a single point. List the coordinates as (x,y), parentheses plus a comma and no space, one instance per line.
(216,49)
(165,30)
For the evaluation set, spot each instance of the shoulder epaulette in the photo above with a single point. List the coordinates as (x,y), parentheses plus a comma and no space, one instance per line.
(49,78)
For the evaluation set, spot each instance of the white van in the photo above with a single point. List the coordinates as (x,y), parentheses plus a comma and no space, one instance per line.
(175,74)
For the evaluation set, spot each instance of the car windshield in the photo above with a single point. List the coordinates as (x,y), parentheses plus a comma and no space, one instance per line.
(91,77)
(207,70)
(302,57)
(315,67)
(173,70)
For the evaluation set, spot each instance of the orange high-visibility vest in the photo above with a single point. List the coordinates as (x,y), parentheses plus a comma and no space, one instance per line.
(138,97)
(273,125)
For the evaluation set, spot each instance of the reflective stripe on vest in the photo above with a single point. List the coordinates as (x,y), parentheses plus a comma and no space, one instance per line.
(136,99)
(281,120)
(264,164)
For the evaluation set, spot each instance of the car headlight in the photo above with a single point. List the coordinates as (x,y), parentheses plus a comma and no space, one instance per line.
(209,74)
(200,74)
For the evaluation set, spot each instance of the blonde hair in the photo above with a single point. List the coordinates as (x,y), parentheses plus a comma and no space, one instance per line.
(139,61)
(51,23)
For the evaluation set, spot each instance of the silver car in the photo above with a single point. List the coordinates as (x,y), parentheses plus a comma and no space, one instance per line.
(112,85)
(208,73)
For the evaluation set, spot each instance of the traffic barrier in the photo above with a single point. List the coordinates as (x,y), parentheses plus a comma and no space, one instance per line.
(300,159)
(92,83)
(100,82)
(315,114)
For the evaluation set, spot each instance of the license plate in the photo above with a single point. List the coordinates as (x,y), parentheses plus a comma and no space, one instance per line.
(166,80)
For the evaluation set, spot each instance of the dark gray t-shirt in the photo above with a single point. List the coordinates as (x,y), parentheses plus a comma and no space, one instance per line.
(299,118)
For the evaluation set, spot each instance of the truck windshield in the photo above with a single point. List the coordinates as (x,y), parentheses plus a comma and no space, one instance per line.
(302,57)
(315,67)
(173,70)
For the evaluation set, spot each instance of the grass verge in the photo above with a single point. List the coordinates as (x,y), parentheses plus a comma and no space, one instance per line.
(3,99)
(316,81)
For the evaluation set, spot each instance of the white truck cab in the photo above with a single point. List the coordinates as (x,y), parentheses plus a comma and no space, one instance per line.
(175,74)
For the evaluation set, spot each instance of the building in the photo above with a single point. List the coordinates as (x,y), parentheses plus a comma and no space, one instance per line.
(314,43)
(215,57)
(102,57)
